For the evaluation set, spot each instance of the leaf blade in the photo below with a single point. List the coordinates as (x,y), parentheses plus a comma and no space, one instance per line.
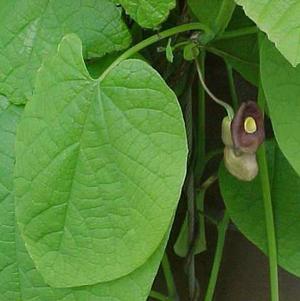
(19,278)
(245,205)
(280,20)
(281,83)
(102,156)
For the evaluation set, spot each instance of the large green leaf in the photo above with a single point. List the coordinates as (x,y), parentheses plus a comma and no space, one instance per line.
(32,29)
(245,204)
(214,13)
(148,13)
(134,286)
(280,20)
(9,116)
(100,165)
(281,84)
(19,280)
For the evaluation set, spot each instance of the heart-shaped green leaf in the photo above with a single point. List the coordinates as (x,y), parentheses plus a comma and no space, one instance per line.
(31,29)
(148,13)
(246,208)
(100,165)
(280,20)
(19,279)
(281,84)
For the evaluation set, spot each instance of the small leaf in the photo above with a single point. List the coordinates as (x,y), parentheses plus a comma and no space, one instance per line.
(169,52)
(281,85)
(100,165)
(148,13)
(245,205)
(280,20)
(30,30)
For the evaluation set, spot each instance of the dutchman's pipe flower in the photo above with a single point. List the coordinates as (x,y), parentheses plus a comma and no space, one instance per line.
(242,136)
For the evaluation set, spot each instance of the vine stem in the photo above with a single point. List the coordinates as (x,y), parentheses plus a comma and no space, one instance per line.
(269,216)
(225,105)
(200,145)
(234,97)
(190,196)
(222,228)
(155,38)
(169,277)
(197,142)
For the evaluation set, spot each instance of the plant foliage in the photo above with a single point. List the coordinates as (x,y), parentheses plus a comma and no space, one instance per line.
(103,134)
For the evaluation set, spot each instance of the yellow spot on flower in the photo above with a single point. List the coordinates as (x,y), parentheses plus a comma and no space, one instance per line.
(250,126)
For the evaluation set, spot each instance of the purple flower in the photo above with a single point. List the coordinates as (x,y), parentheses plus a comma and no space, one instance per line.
(247,128)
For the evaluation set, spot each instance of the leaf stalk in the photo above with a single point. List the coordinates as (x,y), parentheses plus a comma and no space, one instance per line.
(269,215)
(225,105)
(172,291)
(222,228)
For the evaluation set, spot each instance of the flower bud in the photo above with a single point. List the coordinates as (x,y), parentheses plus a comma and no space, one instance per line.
(247,128)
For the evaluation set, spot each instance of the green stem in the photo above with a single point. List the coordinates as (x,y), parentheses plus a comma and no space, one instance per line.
(175,47)
(208,182)
(158,296)
(269,216)
(225,105)
(153,39)
(200,141)
(238,33)
(169,277)
(209,217)
(233,94)
(191,271)
(180,44)
(222,228)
